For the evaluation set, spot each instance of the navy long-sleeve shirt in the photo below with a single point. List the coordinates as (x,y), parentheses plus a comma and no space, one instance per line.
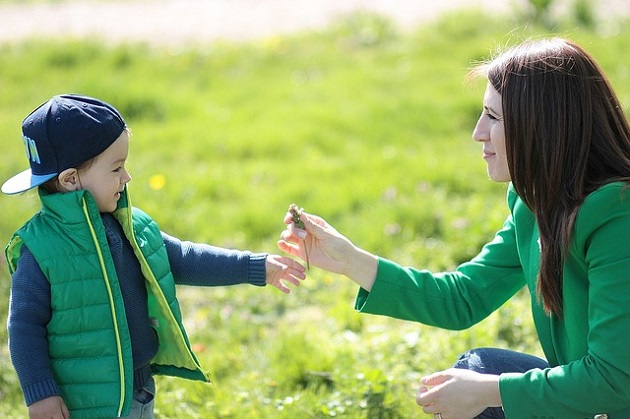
(30,302)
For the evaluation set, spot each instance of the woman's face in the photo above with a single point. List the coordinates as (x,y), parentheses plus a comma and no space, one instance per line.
(490,132)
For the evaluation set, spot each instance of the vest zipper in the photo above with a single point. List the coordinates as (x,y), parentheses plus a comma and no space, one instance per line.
(143,262)
(111,304)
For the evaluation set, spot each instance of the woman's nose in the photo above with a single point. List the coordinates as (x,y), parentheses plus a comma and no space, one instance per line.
(481,132)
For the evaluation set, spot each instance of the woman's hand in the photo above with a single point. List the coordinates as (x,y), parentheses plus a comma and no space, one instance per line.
(328,249)
(458,393)
(279,269)
(49,408)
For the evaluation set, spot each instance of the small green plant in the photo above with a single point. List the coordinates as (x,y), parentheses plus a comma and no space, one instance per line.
(296,213)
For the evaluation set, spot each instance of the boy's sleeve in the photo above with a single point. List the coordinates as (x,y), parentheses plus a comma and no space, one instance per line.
(29,313)
(205,265)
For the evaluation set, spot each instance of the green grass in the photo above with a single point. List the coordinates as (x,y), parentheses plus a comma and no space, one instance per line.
(363,124)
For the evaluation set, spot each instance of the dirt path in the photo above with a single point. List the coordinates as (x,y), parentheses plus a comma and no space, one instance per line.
(176,22)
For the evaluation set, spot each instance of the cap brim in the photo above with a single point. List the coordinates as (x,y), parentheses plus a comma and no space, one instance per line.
(24,181)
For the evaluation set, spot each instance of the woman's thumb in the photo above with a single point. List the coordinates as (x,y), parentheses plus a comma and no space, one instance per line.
(434,379)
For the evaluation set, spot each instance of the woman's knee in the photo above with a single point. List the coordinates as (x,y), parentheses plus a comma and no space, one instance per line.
(497,361)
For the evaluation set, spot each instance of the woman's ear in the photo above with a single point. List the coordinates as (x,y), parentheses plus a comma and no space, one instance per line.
(69,180)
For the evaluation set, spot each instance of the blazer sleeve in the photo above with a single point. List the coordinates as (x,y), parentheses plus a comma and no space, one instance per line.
(451,300)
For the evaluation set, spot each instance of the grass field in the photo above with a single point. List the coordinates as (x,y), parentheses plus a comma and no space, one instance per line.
(362,124)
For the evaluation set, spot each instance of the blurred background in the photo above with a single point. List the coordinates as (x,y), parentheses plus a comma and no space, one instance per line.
(358,111)
(180,22)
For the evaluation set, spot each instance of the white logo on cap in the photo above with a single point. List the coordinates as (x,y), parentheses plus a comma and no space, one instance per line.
(31,149)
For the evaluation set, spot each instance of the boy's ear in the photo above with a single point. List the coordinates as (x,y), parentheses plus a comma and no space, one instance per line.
(69,180)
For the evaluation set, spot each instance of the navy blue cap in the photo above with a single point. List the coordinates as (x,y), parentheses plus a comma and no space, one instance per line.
(62,133)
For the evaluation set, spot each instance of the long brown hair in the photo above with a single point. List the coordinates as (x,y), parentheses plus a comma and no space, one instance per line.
(566,135)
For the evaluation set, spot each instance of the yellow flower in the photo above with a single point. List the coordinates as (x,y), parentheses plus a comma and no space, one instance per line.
(157,182)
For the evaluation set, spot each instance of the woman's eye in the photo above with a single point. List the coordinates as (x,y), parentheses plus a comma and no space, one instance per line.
(492,117)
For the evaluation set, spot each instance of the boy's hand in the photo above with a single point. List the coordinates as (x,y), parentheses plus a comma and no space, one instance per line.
(49,408)
(280,268)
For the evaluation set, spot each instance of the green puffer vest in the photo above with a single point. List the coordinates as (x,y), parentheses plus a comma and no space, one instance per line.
(88,337)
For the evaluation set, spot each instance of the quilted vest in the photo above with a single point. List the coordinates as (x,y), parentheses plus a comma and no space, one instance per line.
(88,337)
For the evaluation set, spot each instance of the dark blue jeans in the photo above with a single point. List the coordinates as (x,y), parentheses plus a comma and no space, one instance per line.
(497,361)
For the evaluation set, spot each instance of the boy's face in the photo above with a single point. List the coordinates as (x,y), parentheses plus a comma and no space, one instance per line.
(106,177)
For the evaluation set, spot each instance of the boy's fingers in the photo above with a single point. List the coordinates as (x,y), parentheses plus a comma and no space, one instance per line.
(282,288)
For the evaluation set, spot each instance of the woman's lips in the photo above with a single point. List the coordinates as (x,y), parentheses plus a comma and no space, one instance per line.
(487,154)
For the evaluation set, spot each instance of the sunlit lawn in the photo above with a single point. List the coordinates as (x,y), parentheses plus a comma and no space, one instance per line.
(363,124)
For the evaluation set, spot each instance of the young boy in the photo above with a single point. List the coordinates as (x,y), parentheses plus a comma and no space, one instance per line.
(93,311)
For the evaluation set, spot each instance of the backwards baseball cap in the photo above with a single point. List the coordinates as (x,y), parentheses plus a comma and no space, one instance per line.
(62,133)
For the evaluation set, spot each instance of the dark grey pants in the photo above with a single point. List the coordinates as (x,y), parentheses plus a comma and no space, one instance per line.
(497,361)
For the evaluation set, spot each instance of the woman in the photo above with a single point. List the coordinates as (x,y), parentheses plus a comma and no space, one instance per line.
(553,127)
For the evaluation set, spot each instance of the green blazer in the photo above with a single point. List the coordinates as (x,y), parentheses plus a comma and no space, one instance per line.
(587,349)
